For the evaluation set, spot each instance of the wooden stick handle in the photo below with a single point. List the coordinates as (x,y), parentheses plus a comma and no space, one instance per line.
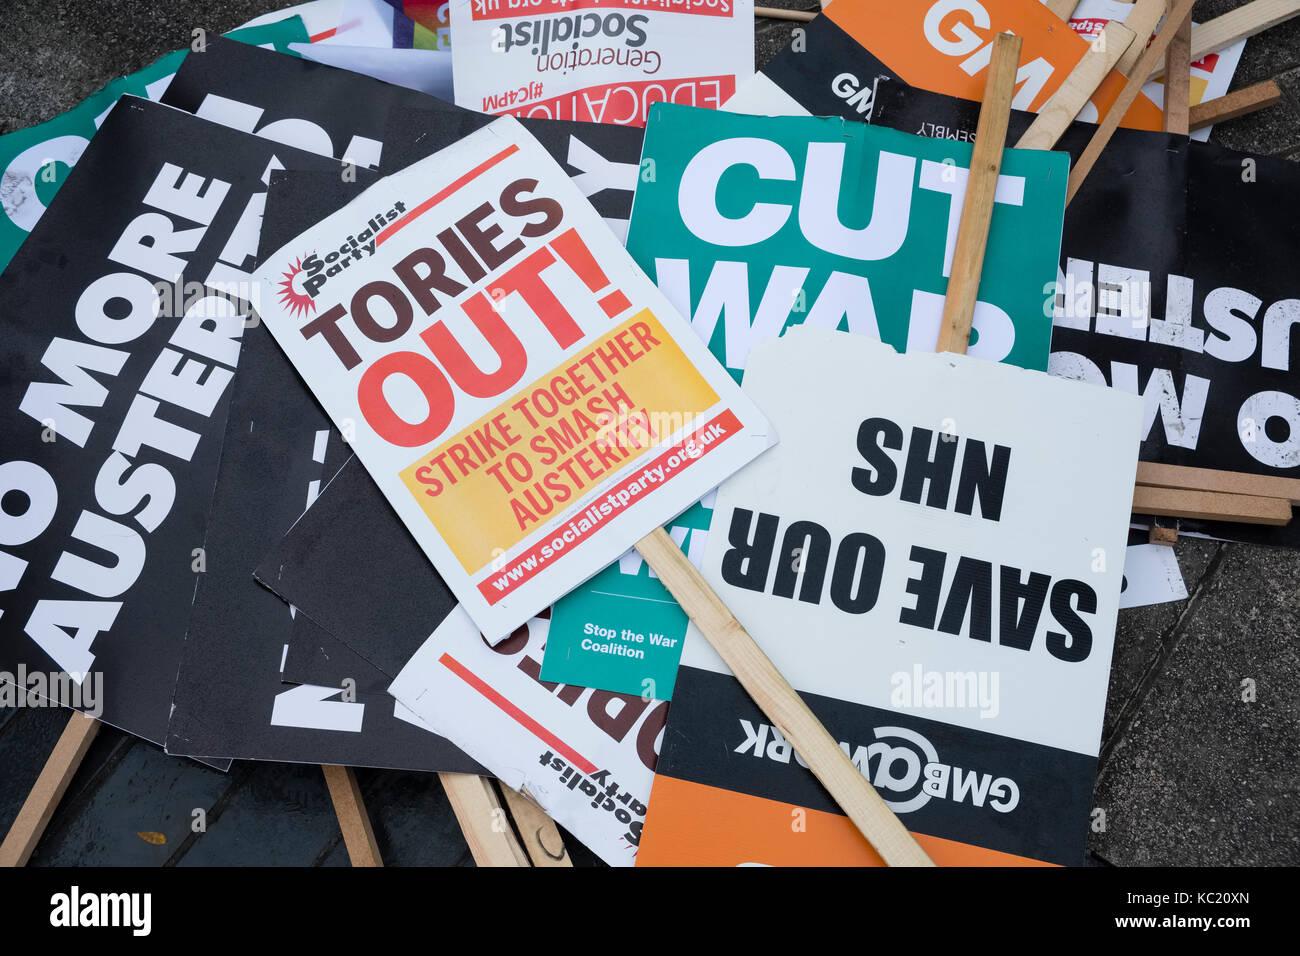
(1226,482)
(1210,505)
(482,820)
(1248,99)
(781,703)
(48,790)
(358,835)
(1072,95)
(540,835)
(1110,122)
(981,185)
(1178,80)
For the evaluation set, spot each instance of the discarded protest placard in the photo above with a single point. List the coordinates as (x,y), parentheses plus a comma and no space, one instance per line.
(122,351)
(348,530)
(229,700)
(280,449)
(601,61)
(602,160)
(35,161)
(375,124)
(834,64)
(753,224)
(259,92)
(603,415)
(585,756)
(904,542)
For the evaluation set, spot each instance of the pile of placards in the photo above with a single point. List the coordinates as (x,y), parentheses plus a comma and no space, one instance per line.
(722,461)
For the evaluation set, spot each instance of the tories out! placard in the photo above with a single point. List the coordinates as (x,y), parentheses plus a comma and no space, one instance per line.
(904,559)
(599,61)
(526,399)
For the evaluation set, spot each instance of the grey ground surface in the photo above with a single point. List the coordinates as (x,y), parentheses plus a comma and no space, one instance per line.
(1190,772)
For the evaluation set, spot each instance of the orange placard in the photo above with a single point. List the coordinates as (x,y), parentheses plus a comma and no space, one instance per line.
(692,824)
(534,455)
(944,46)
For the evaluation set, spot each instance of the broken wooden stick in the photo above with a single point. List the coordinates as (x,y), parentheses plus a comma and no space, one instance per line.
(981,185)
(781,703)
(1239,24)
(538,832)
(1158,534)
(1248,99)
(483,820)
(1106,128)
(1141,22)
(358,835)
(1073,95)
(48,790)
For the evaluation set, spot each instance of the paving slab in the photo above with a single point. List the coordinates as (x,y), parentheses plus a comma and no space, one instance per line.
(1206,772)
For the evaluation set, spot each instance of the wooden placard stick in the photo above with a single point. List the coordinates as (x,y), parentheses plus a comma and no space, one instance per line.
(482,820)
(977,206)
(1072,95)
(1178,80)
(358,835)
(1153,54)
(1248,99)
(48,790)
(776,13)
(540,836)
(1235,25)
(1142,21)
(1210,505)
(781,703)
(1211,479)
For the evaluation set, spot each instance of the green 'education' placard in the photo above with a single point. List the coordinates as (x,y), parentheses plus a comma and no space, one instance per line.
(753,224)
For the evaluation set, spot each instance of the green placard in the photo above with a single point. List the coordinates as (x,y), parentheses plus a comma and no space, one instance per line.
(753,224)
(35,161)
(621,630)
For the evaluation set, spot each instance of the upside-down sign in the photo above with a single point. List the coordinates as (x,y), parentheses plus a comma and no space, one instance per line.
(527,400)
(599,61)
